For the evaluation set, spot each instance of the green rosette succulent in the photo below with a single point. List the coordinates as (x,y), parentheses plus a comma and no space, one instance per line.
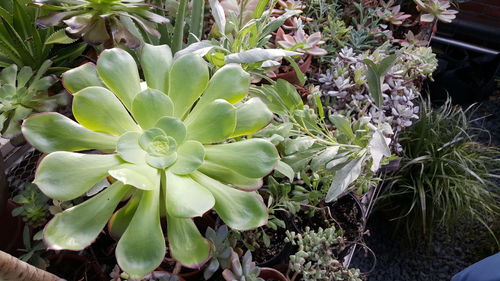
(164,145)
(100,21)
(22,93)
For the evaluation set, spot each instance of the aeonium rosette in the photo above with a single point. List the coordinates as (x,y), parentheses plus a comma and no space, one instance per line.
(164,147)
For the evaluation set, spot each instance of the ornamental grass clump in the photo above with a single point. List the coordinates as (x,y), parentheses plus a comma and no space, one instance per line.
(444,174)
(164,151)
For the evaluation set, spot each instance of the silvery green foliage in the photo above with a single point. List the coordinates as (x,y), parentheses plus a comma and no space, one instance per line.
(315,258)
(220,248)
(246,270)
(345,90)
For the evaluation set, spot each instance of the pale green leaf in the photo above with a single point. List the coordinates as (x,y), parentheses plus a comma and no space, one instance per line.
(121,219)
(286,170)
(185,198)
(77,227)
(118,70)
(226,175)
(51,132)
(149,106)
(156,62)
(343,178)
(59,37)
(252,116)
(142,247)
(186,243)
(128,148)
(230,82)
(81,77)
(173,127)
(67,175)
(190,156)
(238,209)
(188,78)
(140,176)
(253,158)
(99,110)
(212,123)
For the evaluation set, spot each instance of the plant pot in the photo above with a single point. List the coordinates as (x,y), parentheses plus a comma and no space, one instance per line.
(11,238)
(284,252)
(267,273)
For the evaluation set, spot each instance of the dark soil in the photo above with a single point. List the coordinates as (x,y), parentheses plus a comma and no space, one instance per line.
(264,255)
(348,216)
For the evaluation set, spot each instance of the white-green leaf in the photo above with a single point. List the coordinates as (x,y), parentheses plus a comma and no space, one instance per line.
(51,132)
(253,158)
(286,170)
(81,77)
(99,110)
(186,243)
(258,54)
(67,175)
(149,106)
(128,148)
(59,37)
(238,209)
(252,116)
(140,176)
(156,62)
(185,198)
(142,247)
(212,123)
(77,227)
(188,78)
(344,177)
(118,70)
(190,156)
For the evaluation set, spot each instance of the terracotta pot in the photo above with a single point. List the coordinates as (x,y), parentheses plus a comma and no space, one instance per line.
(11,238)
(272,274)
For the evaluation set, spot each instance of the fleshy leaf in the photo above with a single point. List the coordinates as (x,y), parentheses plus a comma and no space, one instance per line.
(121,219)
(227,175)
(129,150)
(188,79)
(118,70)
(185,198)
(139,176)
(172,127)
(79,226)
(212,123)
(156,62)
(67,175)
(189,157)
(251,116)
(240,210)
(253,158)
(149,106)
(142,247)
(230,82)
(51,132)
(186,243)
(81,77)
(98,109)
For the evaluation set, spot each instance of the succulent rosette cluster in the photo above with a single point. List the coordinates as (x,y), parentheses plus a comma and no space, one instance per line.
(162,145)
(345,89)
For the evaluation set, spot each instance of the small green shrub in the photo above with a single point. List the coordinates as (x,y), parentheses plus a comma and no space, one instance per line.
(444,174)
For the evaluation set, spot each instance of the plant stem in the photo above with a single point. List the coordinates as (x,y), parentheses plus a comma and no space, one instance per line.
(177,40)
(196,28)
(12,269)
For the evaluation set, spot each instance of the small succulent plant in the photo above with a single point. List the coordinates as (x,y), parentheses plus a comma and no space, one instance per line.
(392,14)
(435,9)
(33,205)
(301,42)
(221,250)
(100,21)
(315,258)
(22,93)
(165,151)
(246,270)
